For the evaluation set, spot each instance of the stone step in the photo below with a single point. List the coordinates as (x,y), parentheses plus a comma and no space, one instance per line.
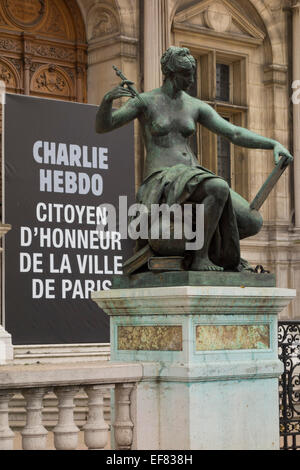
(58,353)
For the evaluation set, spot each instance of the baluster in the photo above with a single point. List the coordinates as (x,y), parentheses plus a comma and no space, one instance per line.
(6,434)
(96,428)
(123,426)
(66,431)
(34,435)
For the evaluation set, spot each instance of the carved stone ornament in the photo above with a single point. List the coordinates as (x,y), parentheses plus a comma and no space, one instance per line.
(101,23)
(51,52)
(25,13)
(7,76)
(10,45)
(54,24)
(217,17)
(50,80)
(17,63)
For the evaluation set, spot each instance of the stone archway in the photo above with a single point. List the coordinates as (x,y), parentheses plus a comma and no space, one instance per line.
(43,38)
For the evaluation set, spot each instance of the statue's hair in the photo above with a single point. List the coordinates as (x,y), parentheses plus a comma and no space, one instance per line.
(175,59)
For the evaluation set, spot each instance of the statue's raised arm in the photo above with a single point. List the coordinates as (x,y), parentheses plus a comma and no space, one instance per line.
(107,119)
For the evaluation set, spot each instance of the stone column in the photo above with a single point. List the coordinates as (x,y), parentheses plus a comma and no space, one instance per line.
(27,65)
(155,41)
(6,347)
(296,111)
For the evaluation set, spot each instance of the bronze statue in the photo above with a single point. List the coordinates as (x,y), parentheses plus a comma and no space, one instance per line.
(168,116)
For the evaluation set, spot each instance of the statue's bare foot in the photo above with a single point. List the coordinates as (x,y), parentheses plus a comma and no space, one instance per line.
(204,264)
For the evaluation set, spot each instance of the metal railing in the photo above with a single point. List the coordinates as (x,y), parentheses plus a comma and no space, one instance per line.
(289,384)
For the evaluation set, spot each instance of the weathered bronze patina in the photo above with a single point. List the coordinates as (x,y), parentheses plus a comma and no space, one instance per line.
(168,116)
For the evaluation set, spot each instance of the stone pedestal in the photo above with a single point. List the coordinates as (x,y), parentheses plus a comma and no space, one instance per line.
(210,362)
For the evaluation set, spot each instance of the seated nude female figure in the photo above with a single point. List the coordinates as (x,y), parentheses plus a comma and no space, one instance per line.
(168,117)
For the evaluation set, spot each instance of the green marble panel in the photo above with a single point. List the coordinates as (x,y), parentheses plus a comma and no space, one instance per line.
(150,338)
(231,337)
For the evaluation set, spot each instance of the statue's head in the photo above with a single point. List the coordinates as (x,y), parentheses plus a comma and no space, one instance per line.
(177,60)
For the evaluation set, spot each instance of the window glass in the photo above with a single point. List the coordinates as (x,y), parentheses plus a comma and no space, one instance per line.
(222,82)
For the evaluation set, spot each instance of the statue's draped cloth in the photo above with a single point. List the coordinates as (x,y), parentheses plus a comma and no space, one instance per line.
(174,185)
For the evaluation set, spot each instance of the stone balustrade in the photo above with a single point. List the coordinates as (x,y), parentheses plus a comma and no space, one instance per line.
(66,381)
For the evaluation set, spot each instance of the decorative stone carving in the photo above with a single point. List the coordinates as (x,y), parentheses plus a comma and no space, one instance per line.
(55,25)
(71,72)
(17,63)
(53,52)
(58,38)
(79,71)
(101,22)
(10,45)
(217,17)
(34,67)
(25,13)
(7,76)
(220,17)
(50,80)
(27,63)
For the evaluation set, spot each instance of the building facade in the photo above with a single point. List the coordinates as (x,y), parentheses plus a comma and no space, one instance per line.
(247,69)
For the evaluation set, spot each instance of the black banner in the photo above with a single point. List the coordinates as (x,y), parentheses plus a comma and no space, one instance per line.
(57,172)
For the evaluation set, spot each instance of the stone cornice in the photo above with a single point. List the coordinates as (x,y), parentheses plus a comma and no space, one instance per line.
(229,37)
(190,300)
